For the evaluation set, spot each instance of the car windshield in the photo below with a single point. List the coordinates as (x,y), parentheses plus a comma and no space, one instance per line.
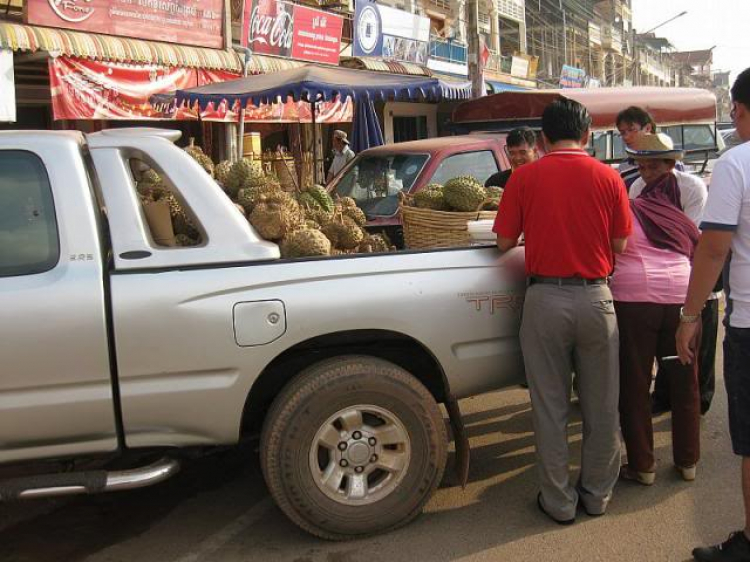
(374,181)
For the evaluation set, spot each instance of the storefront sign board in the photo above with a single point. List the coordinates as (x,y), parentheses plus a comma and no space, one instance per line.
(188,22)
(283,29)
(384,32)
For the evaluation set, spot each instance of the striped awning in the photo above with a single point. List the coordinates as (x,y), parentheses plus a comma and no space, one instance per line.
(381,65)
(118,49)
(261,64)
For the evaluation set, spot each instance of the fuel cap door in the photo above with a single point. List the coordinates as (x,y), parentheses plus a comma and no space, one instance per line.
(258,322)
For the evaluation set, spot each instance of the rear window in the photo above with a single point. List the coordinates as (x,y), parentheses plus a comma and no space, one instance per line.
(375,181)
(481,165)
(29,241)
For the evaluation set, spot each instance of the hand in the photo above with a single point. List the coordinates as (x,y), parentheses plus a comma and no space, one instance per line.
(686,342)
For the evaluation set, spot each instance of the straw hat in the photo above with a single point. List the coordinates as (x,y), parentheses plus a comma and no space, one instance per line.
(341,135)
(654,146)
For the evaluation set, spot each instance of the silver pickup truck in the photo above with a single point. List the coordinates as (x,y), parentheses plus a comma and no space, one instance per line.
(114,347)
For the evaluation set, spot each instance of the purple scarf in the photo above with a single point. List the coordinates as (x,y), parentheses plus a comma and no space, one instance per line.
(659,211)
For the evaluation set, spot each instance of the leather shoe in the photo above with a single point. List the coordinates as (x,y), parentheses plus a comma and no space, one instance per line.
(735,549)
(556,520)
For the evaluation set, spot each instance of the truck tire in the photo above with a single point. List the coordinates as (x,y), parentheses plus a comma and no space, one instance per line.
(353,446)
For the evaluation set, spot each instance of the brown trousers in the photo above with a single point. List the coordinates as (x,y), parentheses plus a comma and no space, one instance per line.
(647,331)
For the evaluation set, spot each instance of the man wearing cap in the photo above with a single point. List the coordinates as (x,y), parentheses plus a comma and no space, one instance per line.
(342,154)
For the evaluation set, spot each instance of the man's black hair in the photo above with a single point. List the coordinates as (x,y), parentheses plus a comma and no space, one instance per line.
(637,115)
(741,88)
(565,119)
(521,135)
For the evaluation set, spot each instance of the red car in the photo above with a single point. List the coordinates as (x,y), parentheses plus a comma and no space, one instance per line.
(375,177)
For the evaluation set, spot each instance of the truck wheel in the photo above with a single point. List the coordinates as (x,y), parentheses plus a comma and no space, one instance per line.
(353,446)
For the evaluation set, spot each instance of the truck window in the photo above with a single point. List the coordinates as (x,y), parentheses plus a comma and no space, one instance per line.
(598,143)
(698,137)
(167,220)
(675,133)
(29,241)
(480,164)
(374,181)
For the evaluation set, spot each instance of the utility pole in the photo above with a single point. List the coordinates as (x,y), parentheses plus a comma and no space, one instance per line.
(473,43)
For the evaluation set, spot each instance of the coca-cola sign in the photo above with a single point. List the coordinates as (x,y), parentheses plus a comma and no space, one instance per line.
(269,28)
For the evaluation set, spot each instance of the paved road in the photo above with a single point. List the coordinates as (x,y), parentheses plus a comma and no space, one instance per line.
(218,509)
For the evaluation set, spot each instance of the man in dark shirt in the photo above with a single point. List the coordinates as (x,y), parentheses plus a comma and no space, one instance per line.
(520,145)
(569,322)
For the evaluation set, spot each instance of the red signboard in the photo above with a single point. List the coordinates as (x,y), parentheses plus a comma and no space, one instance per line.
(317,35)
(272,27)
(189,22)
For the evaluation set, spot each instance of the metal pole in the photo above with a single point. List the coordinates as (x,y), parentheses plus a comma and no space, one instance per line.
(241,129)
(472,36)
(565,38)
(313,110)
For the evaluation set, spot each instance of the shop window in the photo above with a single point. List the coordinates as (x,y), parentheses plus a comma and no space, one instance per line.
(409,128)
(29,241)
(481,165)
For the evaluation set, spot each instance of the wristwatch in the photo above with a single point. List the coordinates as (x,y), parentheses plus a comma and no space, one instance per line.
(688,318)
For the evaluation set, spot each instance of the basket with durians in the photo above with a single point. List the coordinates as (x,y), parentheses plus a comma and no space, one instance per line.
(437,215)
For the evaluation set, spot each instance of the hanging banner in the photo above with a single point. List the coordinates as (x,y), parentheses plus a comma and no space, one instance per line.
(87,89)
(288,112)
(188,22)
(7,87)
(380,31)
(283,29)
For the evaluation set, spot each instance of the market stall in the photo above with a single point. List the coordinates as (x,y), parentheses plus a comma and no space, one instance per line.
(315,85)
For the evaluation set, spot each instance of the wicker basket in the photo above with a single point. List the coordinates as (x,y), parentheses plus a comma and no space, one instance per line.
(425,228)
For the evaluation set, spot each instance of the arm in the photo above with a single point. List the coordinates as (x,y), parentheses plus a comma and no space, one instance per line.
(720,220)
(506,244)
(619,245)
(709,260)
(622,221)
(509,220)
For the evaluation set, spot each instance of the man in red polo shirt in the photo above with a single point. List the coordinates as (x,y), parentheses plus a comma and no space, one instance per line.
(574,214)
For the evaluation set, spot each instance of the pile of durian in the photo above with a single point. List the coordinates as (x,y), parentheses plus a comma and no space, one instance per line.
(462,194)
(305,223)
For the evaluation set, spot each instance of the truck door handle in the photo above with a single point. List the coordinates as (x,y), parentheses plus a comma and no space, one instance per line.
(135,255)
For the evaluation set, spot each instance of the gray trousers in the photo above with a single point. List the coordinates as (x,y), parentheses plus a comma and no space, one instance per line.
(564,330)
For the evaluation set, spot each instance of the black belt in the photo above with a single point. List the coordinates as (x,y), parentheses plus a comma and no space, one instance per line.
(560,281)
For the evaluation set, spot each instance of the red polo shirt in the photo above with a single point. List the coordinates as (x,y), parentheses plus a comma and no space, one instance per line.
(569,206)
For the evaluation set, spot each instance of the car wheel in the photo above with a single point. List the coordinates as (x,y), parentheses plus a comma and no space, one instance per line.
(353,446)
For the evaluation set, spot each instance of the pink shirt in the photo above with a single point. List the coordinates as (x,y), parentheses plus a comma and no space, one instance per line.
(648,274)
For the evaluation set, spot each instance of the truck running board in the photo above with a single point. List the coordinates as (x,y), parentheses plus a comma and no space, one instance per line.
(87,482)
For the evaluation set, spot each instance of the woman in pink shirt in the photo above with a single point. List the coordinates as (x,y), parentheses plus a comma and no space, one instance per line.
(649,286)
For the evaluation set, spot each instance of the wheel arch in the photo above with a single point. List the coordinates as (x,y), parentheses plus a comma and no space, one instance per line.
(400,349)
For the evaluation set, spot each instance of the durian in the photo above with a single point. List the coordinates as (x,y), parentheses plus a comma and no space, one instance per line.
(305,242)
(464,193)
(431,197)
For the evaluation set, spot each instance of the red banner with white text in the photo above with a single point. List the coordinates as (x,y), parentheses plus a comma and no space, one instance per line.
(87,89)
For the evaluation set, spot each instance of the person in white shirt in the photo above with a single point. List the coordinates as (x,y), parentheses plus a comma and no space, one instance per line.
(726,233)
(342,154)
